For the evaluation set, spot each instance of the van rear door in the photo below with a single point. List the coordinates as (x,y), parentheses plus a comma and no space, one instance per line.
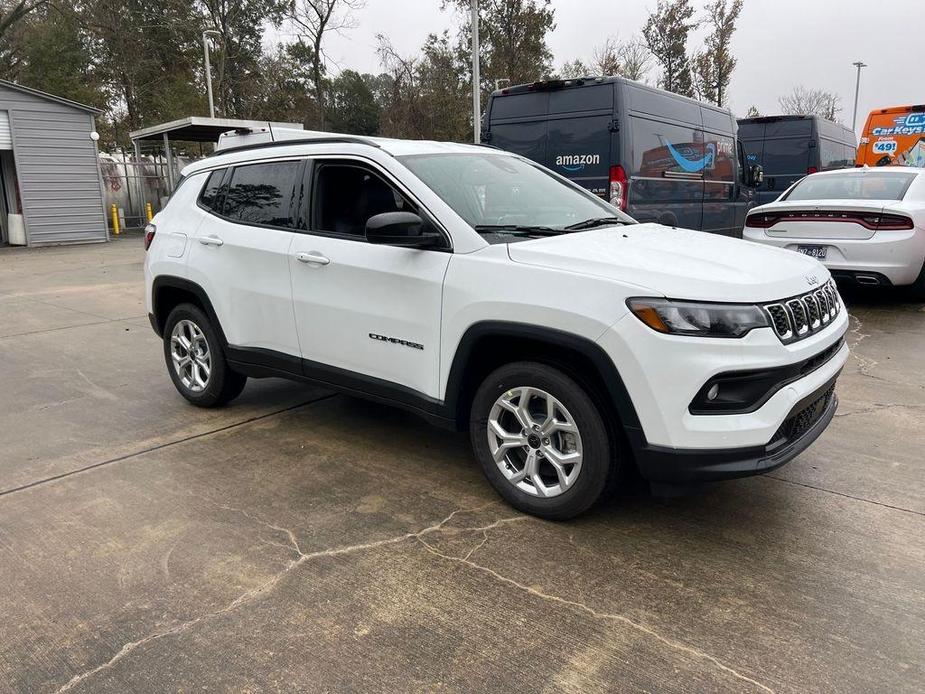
(581,135)
(787,155)
(517,123)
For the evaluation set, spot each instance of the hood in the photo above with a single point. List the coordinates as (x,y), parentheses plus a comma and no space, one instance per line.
(677,263)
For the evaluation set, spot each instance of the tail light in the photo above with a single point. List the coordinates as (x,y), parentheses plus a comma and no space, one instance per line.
(894,222)
(619,187)
(873,221)
(150,230)
(811,170)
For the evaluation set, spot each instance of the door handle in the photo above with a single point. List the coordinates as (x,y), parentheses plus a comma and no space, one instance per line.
(210,241)
(313,258)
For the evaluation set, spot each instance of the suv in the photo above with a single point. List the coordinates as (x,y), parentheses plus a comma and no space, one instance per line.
(485,292)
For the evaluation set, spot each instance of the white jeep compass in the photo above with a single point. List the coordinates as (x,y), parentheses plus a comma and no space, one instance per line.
(486,293)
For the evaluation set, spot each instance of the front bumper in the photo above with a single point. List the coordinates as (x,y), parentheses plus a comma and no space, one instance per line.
(679,466)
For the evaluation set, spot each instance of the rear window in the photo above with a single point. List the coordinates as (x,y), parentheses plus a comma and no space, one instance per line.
(210,193)
(866,185)
(261,193)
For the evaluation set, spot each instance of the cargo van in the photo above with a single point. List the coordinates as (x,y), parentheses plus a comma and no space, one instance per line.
(893,137)
(659,156)
(790,147)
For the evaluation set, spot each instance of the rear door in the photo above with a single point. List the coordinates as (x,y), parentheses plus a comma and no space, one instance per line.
(581,135)
(240,254)
(787,154)
(517,123)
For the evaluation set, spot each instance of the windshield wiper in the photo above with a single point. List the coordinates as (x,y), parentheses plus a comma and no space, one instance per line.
(533,229)
(596,222)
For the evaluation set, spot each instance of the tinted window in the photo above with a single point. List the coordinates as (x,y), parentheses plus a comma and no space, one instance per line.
(346,196)
(778,128)
(209,197)
(785,156)
(261,193)
(519,105)
(856,185)
(835,155)
(581,99)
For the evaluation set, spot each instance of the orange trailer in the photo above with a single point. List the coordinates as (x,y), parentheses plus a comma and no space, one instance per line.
(893,137)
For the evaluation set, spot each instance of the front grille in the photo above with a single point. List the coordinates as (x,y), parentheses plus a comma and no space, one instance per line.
(806,314)
(799,423)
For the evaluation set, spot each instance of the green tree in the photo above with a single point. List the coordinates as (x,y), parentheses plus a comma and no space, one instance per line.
(351,105)
(429,95)
(665,33)
(512,40)
(714,65)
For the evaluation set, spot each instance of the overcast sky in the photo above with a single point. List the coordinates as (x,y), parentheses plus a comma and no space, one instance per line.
(779,44)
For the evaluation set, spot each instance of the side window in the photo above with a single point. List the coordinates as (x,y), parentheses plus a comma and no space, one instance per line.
(262,193)
(209,198)
(347,195)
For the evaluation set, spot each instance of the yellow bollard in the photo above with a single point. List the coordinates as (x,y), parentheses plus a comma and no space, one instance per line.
(149,210)
(115,220)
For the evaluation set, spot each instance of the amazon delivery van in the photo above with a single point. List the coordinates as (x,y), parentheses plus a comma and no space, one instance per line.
(659,156)
(893,137)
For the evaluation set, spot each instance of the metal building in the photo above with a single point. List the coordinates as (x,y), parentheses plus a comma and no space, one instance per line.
(49,170)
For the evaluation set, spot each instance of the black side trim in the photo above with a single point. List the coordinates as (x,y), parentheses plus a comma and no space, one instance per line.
(264,363)
(684,466)
(605,367)
(162,282)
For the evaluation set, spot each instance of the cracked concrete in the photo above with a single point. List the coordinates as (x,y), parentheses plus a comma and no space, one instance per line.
(297,541)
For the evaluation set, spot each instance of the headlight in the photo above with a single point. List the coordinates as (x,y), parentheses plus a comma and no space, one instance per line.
(698,319)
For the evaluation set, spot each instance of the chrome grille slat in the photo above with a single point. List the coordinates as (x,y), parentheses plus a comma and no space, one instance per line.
(804,315)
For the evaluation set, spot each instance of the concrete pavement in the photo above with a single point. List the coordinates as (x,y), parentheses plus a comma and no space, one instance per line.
(299,540)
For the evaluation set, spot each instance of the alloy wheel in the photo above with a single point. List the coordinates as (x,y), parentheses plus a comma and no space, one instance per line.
(191,356)
(534,441)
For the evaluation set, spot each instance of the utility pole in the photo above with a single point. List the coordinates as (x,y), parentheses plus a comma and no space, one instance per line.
(476,81)
(857,88)
(205,52)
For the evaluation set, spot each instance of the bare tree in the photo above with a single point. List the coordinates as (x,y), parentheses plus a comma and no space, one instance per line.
(574,69)
(817,102)
(312,20)
(605,59)
(635,59)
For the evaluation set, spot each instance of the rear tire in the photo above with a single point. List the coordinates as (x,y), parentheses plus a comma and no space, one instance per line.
(541,441)
(195,359)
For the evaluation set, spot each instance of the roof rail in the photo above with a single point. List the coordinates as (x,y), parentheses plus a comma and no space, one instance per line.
(342,139)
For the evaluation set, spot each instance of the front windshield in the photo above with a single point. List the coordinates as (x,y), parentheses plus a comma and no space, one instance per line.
(493,191)
(853,185)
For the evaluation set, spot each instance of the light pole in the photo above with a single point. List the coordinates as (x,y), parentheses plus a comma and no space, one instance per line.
(857,88)
(476,105)
(205,52)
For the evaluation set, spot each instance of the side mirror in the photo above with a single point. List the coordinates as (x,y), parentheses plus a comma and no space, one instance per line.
(755,175)
(404,229)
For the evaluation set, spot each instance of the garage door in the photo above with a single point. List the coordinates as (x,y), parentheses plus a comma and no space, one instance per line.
(6,139)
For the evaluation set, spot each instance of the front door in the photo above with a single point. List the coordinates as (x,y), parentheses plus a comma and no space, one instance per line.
(368,315)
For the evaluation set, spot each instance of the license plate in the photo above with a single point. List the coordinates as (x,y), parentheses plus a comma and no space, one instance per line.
(817,252)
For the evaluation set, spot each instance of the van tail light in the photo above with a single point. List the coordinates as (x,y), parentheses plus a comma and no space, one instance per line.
(619,187)
(811,170)
(150,230)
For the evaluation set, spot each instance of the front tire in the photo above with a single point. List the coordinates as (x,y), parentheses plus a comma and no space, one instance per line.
(195,360)
(541,440)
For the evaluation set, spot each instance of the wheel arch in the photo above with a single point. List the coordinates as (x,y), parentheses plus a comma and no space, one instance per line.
(487,345)
(168,292)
